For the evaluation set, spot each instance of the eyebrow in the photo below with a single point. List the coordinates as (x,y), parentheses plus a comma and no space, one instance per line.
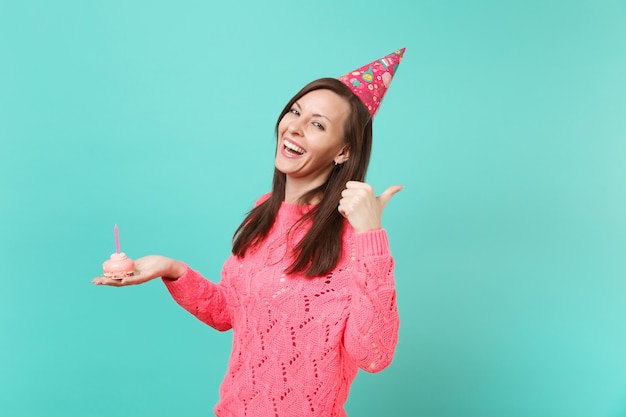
(314,114)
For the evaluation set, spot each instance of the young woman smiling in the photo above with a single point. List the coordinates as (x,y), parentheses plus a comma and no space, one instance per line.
(309,289)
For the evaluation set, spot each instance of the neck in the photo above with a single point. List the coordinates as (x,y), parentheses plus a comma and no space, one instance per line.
(296,188)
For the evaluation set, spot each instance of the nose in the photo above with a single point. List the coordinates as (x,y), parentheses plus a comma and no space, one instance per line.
(295,127)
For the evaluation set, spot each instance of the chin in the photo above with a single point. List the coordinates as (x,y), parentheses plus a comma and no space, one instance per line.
(277,166)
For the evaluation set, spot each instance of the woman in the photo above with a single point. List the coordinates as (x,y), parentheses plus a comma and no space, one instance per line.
(309,289)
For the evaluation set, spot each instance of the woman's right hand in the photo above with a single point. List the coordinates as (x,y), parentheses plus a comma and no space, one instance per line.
(146,269)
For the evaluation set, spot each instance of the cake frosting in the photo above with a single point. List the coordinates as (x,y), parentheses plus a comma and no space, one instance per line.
(119,266)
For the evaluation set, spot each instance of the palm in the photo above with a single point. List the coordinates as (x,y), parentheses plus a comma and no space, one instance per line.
(146,269)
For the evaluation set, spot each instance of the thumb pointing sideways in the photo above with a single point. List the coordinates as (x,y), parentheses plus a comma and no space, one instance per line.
(386,195)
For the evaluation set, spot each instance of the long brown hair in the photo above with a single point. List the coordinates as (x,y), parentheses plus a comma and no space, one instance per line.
(320,249)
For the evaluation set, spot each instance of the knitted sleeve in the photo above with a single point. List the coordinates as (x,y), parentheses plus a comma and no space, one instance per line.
(371,331)
(204,299)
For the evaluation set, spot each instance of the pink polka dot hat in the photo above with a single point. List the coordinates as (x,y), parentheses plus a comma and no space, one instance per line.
(371,81)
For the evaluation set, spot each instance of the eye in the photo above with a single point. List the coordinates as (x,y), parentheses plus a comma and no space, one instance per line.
(319,126)
(295,111)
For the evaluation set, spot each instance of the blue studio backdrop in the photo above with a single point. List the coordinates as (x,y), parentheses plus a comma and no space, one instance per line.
(506,123)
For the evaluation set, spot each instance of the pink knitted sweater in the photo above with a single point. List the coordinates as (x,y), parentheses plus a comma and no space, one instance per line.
(297,342)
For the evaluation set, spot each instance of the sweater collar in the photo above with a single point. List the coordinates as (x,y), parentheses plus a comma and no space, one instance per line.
(295,211)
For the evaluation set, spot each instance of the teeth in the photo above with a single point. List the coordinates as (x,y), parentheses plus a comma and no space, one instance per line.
(293,147)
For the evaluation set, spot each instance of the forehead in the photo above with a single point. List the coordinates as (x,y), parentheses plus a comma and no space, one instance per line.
(326,103)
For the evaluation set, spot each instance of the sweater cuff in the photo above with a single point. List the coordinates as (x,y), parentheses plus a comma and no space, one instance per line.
(372,243)
(174,285)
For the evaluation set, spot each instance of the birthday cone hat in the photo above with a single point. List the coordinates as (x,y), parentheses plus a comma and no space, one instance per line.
(371,81)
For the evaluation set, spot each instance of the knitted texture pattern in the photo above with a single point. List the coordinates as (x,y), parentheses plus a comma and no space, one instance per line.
(297,342)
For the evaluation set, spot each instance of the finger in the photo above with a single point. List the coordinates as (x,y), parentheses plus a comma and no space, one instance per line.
(98,280)
(108,282)
(120,282)
(388,193)
(354,184)
(349,190)
(358,185)
(135,279)
(342,207)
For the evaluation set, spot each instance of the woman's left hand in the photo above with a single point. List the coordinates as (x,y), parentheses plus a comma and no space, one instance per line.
(362,208)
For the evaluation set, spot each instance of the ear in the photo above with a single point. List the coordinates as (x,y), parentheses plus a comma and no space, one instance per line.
(343,155)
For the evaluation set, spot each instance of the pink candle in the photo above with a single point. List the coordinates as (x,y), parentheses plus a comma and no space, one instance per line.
(117,240)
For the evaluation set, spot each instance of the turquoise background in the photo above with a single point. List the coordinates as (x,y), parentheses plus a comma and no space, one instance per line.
(506,124)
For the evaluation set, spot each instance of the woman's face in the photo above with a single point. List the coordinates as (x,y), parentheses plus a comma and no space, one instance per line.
(310,137)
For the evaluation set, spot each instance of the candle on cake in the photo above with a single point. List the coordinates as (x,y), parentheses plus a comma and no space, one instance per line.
(119,265)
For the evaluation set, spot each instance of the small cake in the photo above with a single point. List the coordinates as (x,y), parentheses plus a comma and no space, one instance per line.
(119,266)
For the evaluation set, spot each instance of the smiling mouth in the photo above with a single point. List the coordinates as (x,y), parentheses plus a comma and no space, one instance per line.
(293,148)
